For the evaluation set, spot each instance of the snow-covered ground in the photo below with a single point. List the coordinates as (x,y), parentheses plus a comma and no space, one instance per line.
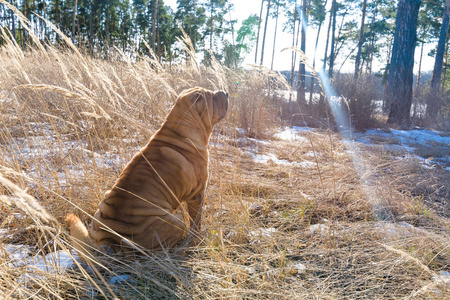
(21,256)
(270,157)
(406,141)
(40,148)
(293,133)
(429,146)
(402,141)
(408,138)
(258,148)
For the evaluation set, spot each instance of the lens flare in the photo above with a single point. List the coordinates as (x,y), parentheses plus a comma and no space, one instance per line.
(343,123)
(303,18)
(341,116)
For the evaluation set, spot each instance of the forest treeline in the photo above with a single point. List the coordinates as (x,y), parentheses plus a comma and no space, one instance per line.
(366,33)
(138,26)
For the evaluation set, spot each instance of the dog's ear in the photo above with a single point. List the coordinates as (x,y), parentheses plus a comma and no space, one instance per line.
(197,96)
(220,104)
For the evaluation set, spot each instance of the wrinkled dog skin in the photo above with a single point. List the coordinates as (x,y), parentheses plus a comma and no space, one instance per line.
(170,169)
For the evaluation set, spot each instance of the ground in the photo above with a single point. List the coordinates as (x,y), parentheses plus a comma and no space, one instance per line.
(299,214)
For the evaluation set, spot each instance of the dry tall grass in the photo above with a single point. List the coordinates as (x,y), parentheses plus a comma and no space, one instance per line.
(361,95)
(69,123)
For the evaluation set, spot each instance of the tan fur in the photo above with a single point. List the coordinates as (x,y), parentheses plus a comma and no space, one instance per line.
(79,235)
(170,169)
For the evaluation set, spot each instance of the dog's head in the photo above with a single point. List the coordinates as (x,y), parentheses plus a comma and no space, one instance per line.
(203,105)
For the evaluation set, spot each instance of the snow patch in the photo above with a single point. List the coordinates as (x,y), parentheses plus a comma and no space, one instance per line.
(21,256)
(408,141)
(318,228)
(55,262)
(312,154)
(401,229)
(298,268)
(118,279)
(405,137)
(443,276)
(421,136)
(266,232)
(265,158)
(240,130)
(16,254)
(305,164)
(259,141)
(292,133)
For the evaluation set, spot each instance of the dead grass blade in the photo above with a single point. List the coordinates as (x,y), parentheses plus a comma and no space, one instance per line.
(24,201)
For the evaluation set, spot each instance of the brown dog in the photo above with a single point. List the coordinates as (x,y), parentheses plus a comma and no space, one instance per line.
(170,169)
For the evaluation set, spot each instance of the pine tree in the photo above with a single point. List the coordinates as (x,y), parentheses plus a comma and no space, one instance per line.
(215,11)
(301,85)
(291,27)
(233,54)
(192,17)
(265,31)
(278,3)
(434,103)
(165,33)
(317,14)
(259,29)
(360,40)
(400,80)
(334,9)
(141,21)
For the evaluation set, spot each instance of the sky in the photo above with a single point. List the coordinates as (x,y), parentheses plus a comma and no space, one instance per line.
(282,60)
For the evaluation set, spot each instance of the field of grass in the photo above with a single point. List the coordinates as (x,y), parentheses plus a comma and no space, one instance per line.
(310,217)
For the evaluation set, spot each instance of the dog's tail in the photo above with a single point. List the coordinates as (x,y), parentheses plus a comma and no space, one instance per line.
(81,240)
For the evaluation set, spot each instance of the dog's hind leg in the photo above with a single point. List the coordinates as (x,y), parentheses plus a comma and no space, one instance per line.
(195,206)
(165,232)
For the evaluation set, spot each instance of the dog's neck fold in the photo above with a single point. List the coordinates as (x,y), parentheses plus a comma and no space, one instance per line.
(189,129)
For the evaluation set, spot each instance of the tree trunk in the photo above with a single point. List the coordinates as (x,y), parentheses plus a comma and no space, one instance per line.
(107,29)
(195,22)
(154,17)
(232,26)
(124,38)
(360,40)
(372,39)
(338,38)
(24,31)
(211,26)
(444,78)
(333,38)
(57,18)
(91,29)
(13,23)
(291,81)
(301,71)
(400,80)
(385,75)
(322,95)
(158,41)
(311,87)
(275,37)
(74,20)
(419,72)
(43,22)
(325,55)
(434,102)
(259,27)
(264,34)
